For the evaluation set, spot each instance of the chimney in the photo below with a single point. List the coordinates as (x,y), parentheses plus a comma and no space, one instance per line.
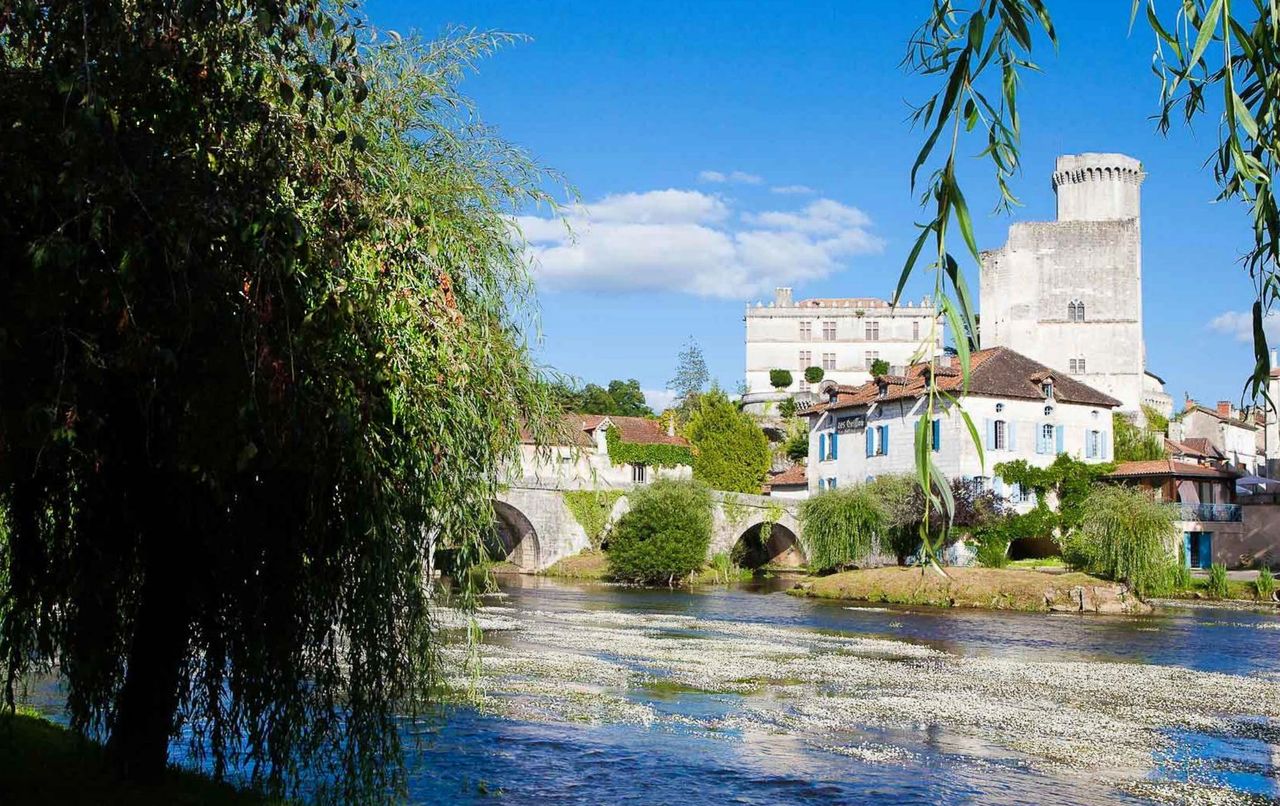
(1224,408)
(782,297)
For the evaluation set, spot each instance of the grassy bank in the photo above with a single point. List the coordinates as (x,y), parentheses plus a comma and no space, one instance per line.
(991,588)
(41,762)
(593,566)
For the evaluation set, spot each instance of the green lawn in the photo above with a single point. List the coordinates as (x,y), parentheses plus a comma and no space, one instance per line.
(44,763)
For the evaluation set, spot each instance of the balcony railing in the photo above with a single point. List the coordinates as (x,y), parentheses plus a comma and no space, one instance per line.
(1217,513)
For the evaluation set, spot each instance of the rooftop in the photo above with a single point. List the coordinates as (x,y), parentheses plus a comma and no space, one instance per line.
(1168,467)
(576,430)
(995,372)
(794,476)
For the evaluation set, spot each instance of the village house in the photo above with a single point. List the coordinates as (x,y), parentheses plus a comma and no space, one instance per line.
(1229,432)
(1021,409)
(579,456)
(790,483)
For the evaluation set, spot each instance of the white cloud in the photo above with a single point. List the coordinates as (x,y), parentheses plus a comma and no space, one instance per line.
(659,399)
(732,177)
(1239,325)
(793,190)
(688,241)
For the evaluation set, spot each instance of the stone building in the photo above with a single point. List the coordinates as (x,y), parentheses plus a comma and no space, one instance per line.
(578,457)
(1068,293)
(1231,433)
(842,336)
(1021,408)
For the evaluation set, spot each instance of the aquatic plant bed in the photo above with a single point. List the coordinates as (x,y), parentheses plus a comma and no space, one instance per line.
(588,565)
(41,762)
(992,588)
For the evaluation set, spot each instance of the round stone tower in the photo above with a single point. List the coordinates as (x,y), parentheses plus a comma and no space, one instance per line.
(1098,187)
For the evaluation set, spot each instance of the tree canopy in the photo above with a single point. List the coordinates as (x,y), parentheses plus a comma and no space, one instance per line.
(621,398)
(731,452)
(258,351)
(691,376)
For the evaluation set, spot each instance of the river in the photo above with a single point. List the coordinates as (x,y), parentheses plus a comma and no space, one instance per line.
(600,694)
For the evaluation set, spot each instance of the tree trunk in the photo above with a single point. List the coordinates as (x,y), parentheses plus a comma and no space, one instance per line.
(148,702)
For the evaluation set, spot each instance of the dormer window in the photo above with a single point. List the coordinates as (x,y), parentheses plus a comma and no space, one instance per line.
(1047,388)
(882,387)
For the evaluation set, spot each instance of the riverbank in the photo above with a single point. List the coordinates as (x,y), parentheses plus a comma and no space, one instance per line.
(593,566)
(989,588)
(41,762)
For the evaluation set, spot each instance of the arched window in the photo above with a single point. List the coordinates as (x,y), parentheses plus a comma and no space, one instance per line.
(1071,312)
(1075,311)
(1079,311)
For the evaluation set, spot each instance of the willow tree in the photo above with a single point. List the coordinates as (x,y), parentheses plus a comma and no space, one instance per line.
(257,351)
(1213,59)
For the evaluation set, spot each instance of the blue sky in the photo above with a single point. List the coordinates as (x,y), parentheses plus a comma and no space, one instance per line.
(769,142)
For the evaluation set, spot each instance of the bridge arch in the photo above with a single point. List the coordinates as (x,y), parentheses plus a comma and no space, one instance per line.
(513,538)
(780,547)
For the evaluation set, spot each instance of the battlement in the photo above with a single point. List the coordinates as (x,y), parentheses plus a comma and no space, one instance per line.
(1098,187)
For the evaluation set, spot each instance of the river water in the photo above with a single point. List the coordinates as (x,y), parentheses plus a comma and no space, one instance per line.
(599,694)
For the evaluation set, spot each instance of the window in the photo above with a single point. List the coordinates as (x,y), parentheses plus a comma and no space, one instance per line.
(1048,412)
(872,357)
(806,360)
(1079,311)
(1047,388)
(804,385)
(1075,311)
(915,330)
(1093,445)
(806,330)
(999,407)
(832,447)
(873,331)
(1076,366)
(829,331)
(877,440)
(1000,435)
(1045,445)
(828,360)
(831,484)
(639,473)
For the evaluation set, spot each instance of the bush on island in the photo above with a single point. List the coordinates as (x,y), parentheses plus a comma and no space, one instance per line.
(665,534)
(1126,536)
(839,527)
(779,378)
(814,374)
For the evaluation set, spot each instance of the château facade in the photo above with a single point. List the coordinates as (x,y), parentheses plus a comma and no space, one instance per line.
(842,336)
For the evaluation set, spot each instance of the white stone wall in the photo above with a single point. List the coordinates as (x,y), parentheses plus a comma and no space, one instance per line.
(773,339)
(1091,255)
(1238,442)
(958,457)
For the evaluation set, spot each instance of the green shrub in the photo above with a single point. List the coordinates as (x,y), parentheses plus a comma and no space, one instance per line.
(787,408)
(1126,536)
(796,444)
(903,506)
(839,527)
(665,534)
(1265,584)
(731,452)
(779,378)
(993,549)
(879,367)
(814,374)
(1217,587)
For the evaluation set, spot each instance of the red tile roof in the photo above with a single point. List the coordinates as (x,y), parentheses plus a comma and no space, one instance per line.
(794,476)
(995,372)
(1197,446)
(576,430)
(1168,467)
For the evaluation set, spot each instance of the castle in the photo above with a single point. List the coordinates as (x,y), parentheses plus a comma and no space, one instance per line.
(1068,293)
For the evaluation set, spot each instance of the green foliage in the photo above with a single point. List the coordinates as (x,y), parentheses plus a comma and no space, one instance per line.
(839,527)
(814,374)
(1134,444)
(796,443)
(1265,584)
(993,549)
(1217,586)
(1156,422)
(664,535)
(903,506)
(263,340)
(731,452)
(1069,480)
(879,367)
(780,378)
(735,512)
(691,373)
(621,398)
(787,408)
(657,455)
(591,508)
(1126,536)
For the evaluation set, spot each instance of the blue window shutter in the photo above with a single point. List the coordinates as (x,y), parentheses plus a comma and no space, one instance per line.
(1060,434)
(884,439)
(1206,549)
(1042,445)
(871,441)
(991,434)
(1088,443)
(835,446)
(822,484)
(1011,435)
(1186,549)
(937,435)
(1102,441)
(831,483)
(822,447)
(997,484)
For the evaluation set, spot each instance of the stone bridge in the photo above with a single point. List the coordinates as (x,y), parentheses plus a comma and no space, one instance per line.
(535,527)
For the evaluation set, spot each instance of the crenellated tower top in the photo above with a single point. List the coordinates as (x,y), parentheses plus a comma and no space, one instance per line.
(1098,187)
